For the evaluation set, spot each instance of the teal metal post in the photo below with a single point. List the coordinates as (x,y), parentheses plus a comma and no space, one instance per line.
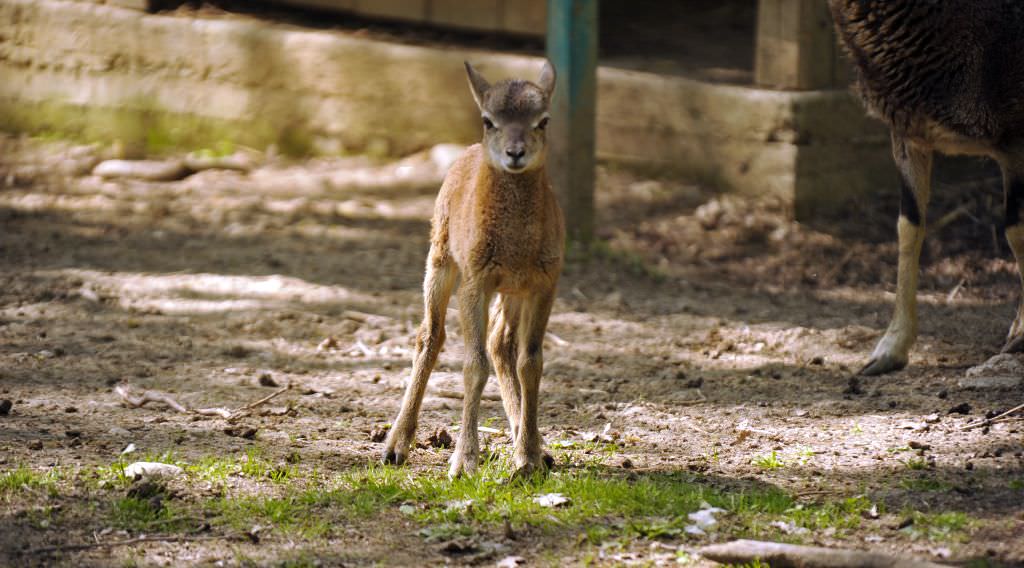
(572,49)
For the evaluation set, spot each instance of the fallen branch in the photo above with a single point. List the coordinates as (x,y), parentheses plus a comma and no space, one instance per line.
(139,400)
(992,420)
(451,393)
(780,555)
(363,317)
(691,401)
(116,543)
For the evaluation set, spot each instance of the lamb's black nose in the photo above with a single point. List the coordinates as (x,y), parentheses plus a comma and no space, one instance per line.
(515,154)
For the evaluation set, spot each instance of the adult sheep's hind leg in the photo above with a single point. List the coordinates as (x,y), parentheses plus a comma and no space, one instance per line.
(1013,186)
(915,165)
(437,289)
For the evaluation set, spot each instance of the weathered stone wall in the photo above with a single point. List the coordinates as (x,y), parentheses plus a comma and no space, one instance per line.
(159,81)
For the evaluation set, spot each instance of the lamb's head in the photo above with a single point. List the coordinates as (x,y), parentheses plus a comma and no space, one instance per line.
(515,118)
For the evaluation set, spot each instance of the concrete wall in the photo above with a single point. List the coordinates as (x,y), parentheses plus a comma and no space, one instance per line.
(158,81)
(520,16)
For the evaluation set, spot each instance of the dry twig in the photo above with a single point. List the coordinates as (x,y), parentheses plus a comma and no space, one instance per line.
(992,420)
(451,393)
(138,400)
(116,543)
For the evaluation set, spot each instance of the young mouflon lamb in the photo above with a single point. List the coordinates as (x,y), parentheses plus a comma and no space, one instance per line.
(498,230)
(947,76)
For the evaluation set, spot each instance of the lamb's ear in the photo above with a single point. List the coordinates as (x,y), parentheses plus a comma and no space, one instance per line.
(547,78)
(477,84)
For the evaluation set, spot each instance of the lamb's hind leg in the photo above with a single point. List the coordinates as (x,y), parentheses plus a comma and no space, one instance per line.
(503,348)
(437,289)
(915,165)
(1013,185)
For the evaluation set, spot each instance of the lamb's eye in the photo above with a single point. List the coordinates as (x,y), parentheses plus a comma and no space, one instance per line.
(542,124)
(488,124)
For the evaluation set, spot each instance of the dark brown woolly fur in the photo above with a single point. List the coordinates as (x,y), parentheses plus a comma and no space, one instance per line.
(959,63)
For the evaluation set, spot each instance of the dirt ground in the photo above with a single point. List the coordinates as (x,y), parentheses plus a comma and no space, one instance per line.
(708,331)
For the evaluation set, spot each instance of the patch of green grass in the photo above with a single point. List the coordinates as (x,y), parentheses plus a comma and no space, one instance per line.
(1017,484)
(135,513)
(916,463)
(944,526)
(258,467)
(924,484)
(840,515)
(213,468)
(22,478)
(654,504)
(295,513)
(768,461)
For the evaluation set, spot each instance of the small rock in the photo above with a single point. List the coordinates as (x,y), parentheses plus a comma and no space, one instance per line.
(962,408)
(819,360)
(552,500)
(853,386)
(379,434)
(440,438)
(5,407)
(246,432)
(145,489)
(266,380)
(70,409)
(627,463)
(1004,370)
(35,445)
(152,470)
(72,433)
(994,382)
(118,431)
(915,445)
(237,351)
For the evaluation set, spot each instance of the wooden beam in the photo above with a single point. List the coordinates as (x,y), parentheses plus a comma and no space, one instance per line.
(572,49)
(796,47)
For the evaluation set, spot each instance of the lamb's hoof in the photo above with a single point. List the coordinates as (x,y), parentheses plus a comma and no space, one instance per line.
(1014,344)
(462,465)
(882,364)
(533,468)
(393,457)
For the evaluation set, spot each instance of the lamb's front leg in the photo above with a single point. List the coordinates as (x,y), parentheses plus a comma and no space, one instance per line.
(529,453)
(473,302)
(437,288)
